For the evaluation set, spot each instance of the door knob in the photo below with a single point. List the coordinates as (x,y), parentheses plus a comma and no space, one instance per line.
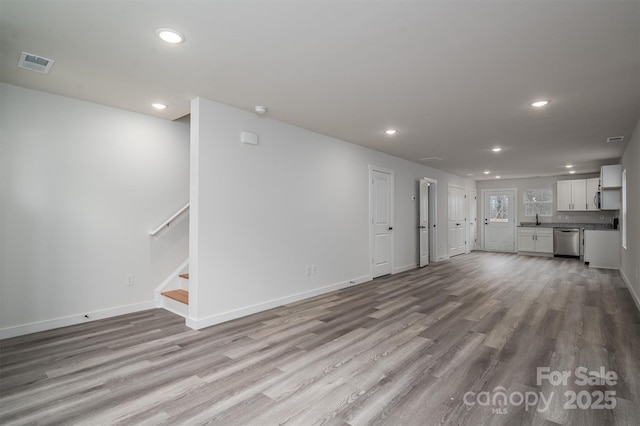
(391,228)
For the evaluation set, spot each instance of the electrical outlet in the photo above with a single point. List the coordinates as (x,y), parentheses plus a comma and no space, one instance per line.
(314,269)
(308,270)
(130,280)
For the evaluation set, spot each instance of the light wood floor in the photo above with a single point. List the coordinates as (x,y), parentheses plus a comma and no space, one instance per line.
(401,350)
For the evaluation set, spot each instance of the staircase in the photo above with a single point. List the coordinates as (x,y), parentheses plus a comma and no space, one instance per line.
(181,296)
(173,293)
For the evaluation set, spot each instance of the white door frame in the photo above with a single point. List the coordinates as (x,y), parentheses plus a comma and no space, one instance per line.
(372,169)
(470,202)
(433,221)
(515,214)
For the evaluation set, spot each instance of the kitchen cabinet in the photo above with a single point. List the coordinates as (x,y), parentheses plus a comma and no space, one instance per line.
(564,195)
(535,240)
(611,183)
(572,195)
(610,199)
(602,248)
(611,176)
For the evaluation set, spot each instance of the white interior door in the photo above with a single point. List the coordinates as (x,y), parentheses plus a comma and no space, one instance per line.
(423,223)
(473,219)
(499,220)
(381,197)
(457,221)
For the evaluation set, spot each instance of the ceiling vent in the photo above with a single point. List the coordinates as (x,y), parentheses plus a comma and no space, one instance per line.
(431,159)
(36,63)
(615,139)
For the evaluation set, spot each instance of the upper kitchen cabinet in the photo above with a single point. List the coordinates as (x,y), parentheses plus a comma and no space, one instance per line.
(564,195)
(572,195)
(610,186)
(611,176)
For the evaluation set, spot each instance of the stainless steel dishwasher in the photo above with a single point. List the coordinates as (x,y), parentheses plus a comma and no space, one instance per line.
(566,242)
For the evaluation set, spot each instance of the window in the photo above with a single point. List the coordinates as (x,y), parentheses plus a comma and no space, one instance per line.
(538,202)
(624,208)
(499,208)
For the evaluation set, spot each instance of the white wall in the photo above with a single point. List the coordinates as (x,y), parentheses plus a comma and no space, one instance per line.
(261,213)
(630,260)
(82,184)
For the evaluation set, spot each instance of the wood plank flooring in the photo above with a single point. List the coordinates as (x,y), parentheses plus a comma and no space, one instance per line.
(406,349)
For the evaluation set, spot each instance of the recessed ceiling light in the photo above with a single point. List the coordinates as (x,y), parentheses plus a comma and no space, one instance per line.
(496,149)
(540,104)
(569,166)
(391,131)
(497,177)
(486,172)
(572,172)
(169,35)
(159,106)
(469,174)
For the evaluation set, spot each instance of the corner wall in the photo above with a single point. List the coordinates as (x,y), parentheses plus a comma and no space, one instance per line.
(81,186)
(630,260)
(261,213)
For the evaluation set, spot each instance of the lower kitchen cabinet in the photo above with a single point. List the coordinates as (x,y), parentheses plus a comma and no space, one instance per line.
(535,240)
(602,248)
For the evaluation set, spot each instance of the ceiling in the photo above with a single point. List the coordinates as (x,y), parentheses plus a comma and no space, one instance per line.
(454,78)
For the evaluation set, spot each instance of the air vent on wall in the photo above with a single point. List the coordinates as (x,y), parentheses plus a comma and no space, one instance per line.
(36,63)
(615,139)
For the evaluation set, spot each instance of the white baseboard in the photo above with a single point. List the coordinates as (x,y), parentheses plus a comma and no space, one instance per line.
(404,268)
(35,327)
(197,324)
(634,295)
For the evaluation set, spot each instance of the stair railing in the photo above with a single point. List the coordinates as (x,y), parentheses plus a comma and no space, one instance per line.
(167,222)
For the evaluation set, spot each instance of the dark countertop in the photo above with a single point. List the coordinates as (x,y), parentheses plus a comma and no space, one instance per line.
(590,226)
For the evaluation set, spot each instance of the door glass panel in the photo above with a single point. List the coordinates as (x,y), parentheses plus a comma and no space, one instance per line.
(499,208)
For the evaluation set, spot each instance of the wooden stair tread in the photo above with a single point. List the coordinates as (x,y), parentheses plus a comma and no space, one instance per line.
(181,296)
(185,276)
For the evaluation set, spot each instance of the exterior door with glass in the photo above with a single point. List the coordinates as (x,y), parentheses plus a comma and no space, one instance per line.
(499,220)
